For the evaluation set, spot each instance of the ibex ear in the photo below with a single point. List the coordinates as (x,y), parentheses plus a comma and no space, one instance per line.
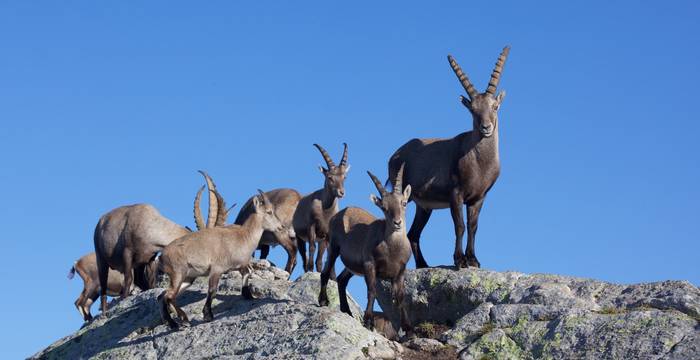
(322,169)
(407,192)
(256,201)
(465,102)
(500,97)
(346,168)
(377,201)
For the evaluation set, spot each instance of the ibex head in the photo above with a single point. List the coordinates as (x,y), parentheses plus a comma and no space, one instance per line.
(484,106)
(393,204)
(264,207)
(335,175)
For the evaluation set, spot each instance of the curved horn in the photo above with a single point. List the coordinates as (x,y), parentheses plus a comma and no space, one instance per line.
(324,153)
(221,213)
(497,70)
(344,159)
(211,216)
(463,79)
(197,211)
(398,186)
(377,183)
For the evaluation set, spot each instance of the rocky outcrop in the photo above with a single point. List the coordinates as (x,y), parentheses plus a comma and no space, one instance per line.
(510,315)
(466,314)
(284,323)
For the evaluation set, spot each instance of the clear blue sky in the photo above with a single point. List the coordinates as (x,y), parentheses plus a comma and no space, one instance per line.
(122,103)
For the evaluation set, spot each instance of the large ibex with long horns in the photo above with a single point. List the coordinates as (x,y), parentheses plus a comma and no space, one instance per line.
(129,237)
(371,247)
(311,217)
(457,171)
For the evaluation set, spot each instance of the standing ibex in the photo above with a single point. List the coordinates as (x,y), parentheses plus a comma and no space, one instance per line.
(130,236)
(457,171)
(285,202)
(315,210)
(372,248)
(212,252)
(86,267)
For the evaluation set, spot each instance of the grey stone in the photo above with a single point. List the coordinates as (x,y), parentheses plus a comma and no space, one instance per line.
(285,324)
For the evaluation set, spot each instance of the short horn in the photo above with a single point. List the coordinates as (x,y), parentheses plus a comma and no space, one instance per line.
(211,216)
(377,183)
(344,159)
(496,74)
(398,187)
(197,211)
(324,153)
(463,79)
(221,214)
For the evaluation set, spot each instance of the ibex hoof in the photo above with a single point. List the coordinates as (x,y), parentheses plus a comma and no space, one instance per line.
(473,263)
(246,293)
(369,322)
(322,300)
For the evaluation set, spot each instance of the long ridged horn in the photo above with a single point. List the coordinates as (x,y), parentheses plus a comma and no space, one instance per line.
(377,183)
(211,216)
(324,153)
(197,211)
(344,159)
(221,214)
(496,74)
(463,79)
(398,186)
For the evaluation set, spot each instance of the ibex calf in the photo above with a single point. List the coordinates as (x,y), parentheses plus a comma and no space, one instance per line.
(457,171)
(371,247)
(311,217)
(212,252)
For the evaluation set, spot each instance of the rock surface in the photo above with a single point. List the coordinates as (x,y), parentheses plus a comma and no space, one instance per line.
(284,322)
(510,315)
(465,314)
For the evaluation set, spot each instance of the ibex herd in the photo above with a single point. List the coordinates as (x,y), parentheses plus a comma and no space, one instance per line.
(133,243)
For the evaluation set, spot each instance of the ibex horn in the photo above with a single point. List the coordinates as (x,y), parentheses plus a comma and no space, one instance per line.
(496,74)
(377,183)
(399,179)
(221,214)
(463,79)
(197,211)
(324,153)
(211,216)
(344,159)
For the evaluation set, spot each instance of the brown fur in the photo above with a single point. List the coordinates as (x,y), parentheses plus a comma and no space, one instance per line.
(457,171)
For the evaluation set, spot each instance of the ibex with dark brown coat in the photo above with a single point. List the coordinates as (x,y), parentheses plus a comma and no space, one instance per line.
(130,236)
(371,247)
(311,217)
(212,252)
(457,171)
(285,202)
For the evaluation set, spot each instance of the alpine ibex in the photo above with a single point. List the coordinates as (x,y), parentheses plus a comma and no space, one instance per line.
(311,217)
(130,236)
(371,247)
(212,252)
(285,202)
(457,171)
(86,267)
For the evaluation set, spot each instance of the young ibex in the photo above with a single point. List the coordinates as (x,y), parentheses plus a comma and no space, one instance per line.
(130,236)
(457,171)
(212,252)
(311,217)
(86,267)
(371,247)
(285,202)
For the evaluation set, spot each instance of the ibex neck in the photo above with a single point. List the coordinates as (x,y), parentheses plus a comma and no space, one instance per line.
(252,231)
(486,148)
(328,200)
